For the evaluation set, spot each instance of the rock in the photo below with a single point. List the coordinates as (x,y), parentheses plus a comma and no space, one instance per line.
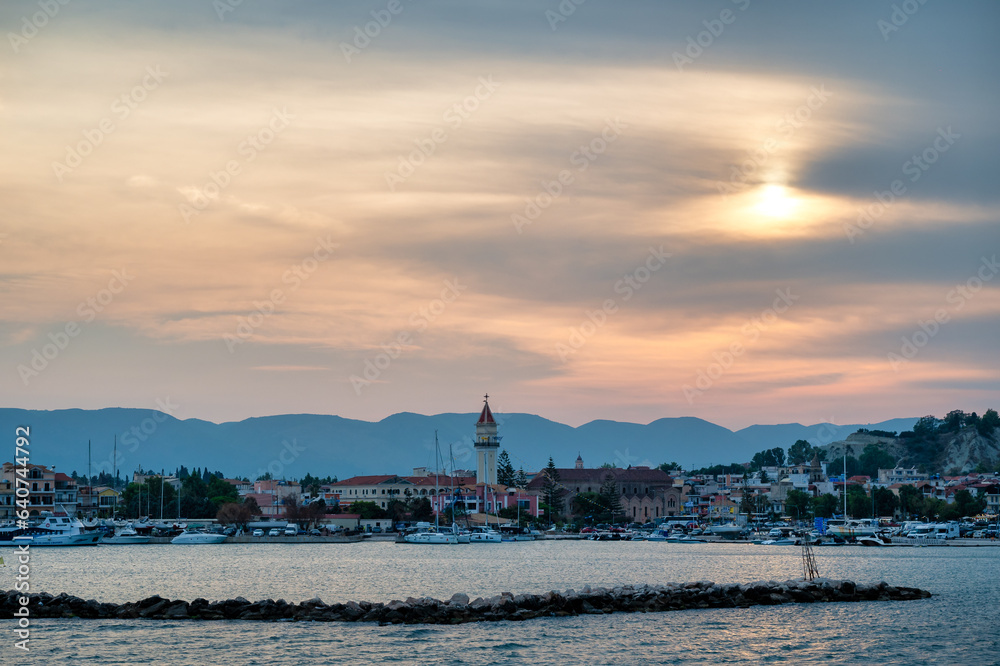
(459,599)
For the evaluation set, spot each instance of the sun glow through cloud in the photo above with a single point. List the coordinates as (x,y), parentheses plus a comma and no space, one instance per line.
(732,165)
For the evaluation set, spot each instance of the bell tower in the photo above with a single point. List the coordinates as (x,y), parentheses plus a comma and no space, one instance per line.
(487,443)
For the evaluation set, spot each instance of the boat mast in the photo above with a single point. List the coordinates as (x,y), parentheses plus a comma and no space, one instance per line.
(845,485)
(90,483)
(437,495)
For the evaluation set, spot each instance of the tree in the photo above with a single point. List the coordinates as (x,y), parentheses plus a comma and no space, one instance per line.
(886,502)
(800,452)
(825,505)
(234,513)
(926,426)
(552,491)
(989,422)
(668,467)
(521,479)
(953,421)
(874,458)
(768,458)
(610,497)
(587,504)
(911,501)
(368,510)
(420,509)
(797,504)
(251,504)
(859,505)
(221,492)
(505,471)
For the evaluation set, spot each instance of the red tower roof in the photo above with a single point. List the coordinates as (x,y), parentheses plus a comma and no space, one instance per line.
(486,416)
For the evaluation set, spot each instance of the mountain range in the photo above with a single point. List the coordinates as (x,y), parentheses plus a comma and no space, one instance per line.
(292,445)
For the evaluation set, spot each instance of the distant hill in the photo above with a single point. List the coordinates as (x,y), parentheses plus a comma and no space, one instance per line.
(292,445)
(937,448)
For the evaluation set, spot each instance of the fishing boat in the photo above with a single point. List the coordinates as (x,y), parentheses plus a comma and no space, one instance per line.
(58,531)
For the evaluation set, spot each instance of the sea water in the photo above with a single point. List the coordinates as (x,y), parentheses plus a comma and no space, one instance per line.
(958,625)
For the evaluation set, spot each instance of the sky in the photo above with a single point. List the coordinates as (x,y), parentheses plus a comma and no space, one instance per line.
(746,212)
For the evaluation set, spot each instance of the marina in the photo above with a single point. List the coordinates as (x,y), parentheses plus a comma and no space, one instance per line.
(952,625)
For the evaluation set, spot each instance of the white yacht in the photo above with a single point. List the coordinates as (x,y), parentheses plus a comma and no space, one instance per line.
(198,536)
(853,527)
(125,536)
(60,531)
(431,537)
(484,535)
(728,531)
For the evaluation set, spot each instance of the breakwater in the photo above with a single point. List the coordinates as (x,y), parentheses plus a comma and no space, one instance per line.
(460,609)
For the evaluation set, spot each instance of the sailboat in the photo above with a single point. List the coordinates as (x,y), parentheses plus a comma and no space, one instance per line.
(486,534)
(425,535)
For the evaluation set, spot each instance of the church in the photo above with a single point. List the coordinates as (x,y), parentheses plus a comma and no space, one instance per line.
(646,494)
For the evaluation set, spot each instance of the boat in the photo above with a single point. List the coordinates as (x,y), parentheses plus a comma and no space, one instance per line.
(126,536)
(784,541)
(431,537)
(484,535)
(197,536)
(728,531)
(58,531)
(877,540)
(687,538)
(424,534)
(853,528)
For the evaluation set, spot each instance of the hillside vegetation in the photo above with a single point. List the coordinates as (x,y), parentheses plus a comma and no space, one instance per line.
(956,444)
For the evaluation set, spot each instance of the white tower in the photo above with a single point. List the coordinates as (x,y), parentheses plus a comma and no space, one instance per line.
(487,444)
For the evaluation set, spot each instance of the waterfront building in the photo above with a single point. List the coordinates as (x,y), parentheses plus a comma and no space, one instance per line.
(644,493)
(49,491)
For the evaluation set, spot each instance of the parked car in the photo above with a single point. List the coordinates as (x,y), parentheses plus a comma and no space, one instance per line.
(274,531)
(291,530)
(376,530)
(258,533)
(315,532)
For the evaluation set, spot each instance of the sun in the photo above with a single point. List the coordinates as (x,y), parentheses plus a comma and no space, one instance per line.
(775,201)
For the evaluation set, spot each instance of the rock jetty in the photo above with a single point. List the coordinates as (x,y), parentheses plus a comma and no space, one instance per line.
(460,609)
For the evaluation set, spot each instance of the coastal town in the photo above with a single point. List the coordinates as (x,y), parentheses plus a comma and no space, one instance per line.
(555,500)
